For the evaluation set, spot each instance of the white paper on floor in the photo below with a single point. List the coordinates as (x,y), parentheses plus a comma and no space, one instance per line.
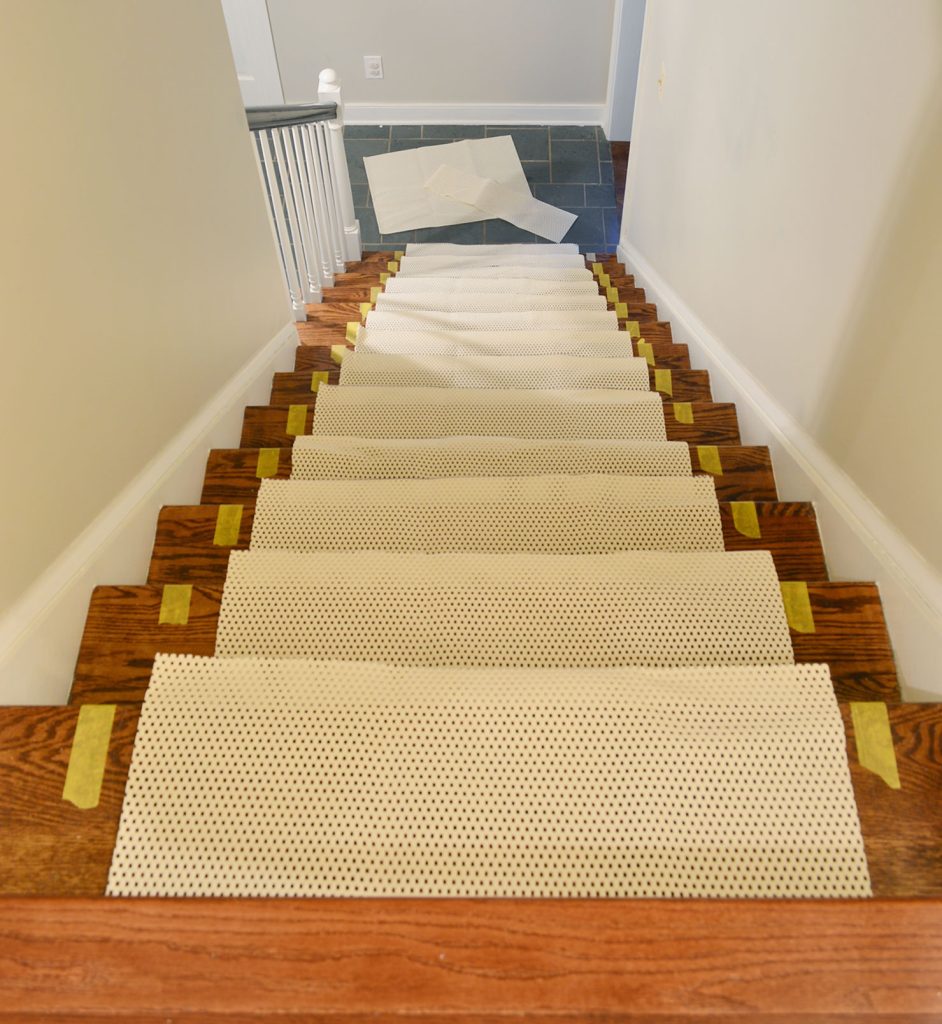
(397,181)
(496,200)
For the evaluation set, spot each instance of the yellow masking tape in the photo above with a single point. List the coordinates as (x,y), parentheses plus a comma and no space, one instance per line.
(319,377)
(709,457)
(365,307)
(604,280)
(267,464)
(228,522)
(683,412)
(745,519)
(89,755)
(621,310)
(353,331)
(175,604)
(374,292)
(633,328)
(383,278)
(297,418)
(875,740)
(392,266)
(797,606)
(337,352)
(646,350)
(611,293)
(596,269)
(663,382)
(399,253)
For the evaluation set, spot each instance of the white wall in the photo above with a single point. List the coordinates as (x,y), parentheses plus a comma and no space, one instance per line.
(476,61)
(784,196)
(137,276)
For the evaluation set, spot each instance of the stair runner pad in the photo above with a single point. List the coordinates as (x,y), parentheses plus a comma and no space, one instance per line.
(623,608)
(461,261)
(560,515)
(508,249)
(301,778)
(532,270)
(486,302)
(527,320)
(339,458)
(397,285)
(371,369)
(634,415)
(600,344)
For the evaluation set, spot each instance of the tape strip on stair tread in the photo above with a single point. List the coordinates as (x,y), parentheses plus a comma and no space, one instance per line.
(488,302)
(556,515)
(372,369)
(602,344)
(522,320)
(621,608)
(620,783)
(496,200)
(345,458)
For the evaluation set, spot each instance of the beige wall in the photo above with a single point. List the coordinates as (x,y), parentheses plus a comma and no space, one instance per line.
(786,182)
(137,268)
(489,51)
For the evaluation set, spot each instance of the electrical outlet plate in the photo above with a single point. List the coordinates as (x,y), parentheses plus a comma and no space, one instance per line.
(373,67)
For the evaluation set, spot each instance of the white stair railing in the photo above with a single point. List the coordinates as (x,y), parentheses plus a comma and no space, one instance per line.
(303,167)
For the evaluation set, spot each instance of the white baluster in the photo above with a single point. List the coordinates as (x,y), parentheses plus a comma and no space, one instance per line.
(328,91)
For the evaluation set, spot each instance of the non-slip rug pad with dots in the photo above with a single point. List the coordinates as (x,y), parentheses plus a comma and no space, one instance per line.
(524,285)
(513,412)
(603,344)
(343,457)
(562,515)
(523,320)
(534,270)
(368,369)
(487,302)
(495,249)
(622,608)
(464,261)
(299,778)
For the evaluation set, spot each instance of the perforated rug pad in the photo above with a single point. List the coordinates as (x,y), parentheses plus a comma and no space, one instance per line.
(564,515)
(315,458)
(299,778)
(535,320)
(372,369)
(539,610)
(508,249)
(436,412)
(531,269)
(487,302)
(604,344)
(410,264)
(397,285)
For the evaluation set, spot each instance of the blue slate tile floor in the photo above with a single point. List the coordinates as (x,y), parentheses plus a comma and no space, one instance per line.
(569,166)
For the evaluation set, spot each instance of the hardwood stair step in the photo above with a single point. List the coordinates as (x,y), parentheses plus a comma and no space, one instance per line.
(185,550)
(51,848)
(714,423)
(232,474)
(676,385)
(123,633)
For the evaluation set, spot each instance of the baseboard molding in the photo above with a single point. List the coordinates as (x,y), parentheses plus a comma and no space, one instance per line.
(860,543)
(474,113)
(40,635)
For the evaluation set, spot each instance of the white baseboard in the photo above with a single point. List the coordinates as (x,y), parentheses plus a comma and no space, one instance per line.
(40,635)
(859,542)
(473,113)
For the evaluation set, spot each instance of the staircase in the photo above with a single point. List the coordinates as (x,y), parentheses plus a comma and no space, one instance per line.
(64,771)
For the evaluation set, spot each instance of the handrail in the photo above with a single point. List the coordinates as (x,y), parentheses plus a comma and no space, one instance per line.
(303,168)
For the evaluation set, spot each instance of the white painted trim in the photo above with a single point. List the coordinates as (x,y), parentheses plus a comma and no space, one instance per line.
(473,113)
(623,66)
(860,543)
(39,636)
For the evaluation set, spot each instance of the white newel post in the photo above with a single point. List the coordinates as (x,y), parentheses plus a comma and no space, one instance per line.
(328,91)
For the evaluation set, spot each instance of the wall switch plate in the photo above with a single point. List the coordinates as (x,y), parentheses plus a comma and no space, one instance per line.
(373,67)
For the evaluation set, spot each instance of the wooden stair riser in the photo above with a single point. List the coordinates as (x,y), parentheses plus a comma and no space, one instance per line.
(231,474)
(185,550)
(123,633)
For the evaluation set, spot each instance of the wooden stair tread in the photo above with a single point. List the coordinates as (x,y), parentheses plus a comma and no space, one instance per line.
(714,423)
(50,848)
(231,474)
(122,635)
(184,551)
(685,386)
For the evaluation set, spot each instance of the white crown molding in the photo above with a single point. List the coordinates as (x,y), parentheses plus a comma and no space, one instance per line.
(40,635)
(859,541)
(474,113)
